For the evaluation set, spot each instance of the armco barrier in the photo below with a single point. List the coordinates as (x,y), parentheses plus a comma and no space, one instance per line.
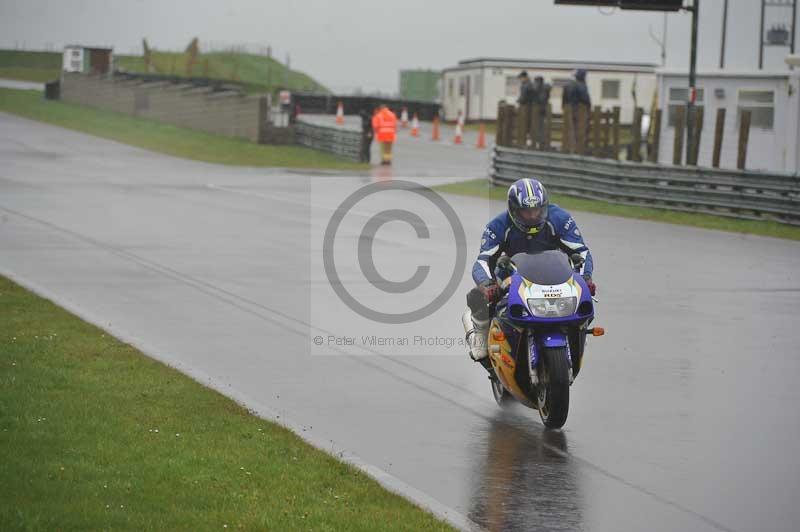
(342,142)
(738,194)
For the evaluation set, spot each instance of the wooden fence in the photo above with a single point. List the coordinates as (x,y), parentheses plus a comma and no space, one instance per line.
(598,132)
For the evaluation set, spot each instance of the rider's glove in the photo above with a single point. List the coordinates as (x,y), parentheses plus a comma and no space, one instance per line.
(490,290)
(590,284)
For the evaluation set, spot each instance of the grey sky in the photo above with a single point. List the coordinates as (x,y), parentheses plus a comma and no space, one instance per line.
(351,43)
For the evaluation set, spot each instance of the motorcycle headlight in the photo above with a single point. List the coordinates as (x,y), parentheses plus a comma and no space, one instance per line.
(552,308)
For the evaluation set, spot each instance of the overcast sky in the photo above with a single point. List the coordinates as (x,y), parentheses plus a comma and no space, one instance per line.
(350,43)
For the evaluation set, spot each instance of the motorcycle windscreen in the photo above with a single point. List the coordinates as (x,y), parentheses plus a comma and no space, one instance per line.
(545,267)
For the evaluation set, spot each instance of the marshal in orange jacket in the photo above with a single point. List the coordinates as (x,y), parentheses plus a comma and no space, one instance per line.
(384,123)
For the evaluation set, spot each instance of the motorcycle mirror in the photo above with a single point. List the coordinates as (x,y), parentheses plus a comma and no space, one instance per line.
(576,259)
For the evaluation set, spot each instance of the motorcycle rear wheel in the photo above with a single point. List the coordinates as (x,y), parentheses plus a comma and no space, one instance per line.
(553,387)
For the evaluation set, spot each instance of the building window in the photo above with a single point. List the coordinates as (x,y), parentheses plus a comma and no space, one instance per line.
(678,96)
(76,53)
(512,86)
(761,104)
(462,86)
(609,89)
(476,85)
(450,88)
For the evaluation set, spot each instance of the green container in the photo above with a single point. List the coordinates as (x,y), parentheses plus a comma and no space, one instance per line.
(420,85)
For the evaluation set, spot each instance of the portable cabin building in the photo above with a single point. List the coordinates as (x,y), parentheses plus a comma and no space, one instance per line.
(772,99)
(87,59)
(476,86)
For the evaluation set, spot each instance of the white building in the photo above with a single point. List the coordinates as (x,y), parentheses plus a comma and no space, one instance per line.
(476,86)
(86,59)
(772,98)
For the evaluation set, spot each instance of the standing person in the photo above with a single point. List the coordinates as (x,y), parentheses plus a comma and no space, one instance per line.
(575,95)
(366,134)
(525,89)
(525,101)
(385,125)
(541,98)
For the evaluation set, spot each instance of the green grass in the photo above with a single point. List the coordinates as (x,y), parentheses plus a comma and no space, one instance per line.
(22,58)
(96,436)
(258,73)
(482,188)
(164,138)
(42,75)
(30,66)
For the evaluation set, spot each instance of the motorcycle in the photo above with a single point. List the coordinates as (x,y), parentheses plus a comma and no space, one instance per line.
(538,332)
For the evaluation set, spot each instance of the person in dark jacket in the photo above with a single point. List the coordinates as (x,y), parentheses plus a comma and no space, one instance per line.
(576,92)
(575,95)
(525,89)
(366,134)
(541,91)
(525,100)
(541,97)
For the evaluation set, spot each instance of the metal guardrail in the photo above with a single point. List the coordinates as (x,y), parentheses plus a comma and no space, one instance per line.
(733,193)
(342,142)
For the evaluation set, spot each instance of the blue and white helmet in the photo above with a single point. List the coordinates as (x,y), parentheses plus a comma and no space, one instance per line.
(527,205)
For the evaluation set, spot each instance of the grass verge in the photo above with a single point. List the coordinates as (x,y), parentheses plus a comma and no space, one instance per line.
(164,138)
(39,75)
(482,188)
(94,435)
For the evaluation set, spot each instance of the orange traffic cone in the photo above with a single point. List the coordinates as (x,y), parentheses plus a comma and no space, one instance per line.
(435,135)
(415,126)
(481,137)
(340,114)
(404,118)
(459,129)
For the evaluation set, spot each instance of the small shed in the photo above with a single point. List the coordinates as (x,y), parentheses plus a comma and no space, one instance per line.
(771,98)
(87,59)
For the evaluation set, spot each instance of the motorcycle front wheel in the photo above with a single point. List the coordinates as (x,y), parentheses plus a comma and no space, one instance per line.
(553,387)
(501,395)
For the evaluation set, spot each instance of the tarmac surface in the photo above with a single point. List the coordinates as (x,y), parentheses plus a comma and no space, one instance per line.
(22,85)
(684,416)
(421,156)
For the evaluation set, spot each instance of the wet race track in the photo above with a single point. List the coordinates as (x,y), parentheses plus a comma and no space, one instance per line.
(684,416)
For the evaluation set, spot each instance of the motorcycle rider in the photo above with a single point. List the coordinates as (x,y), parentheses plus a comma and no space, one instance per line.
(530,223)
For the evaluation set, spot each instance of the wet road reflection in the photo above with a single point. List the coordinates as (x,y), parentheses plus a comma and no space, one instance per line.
(524,478)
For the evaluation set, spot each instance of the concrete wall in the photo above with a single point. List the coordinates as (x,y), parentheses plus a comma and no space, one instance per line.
(772,149)
(223,113)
